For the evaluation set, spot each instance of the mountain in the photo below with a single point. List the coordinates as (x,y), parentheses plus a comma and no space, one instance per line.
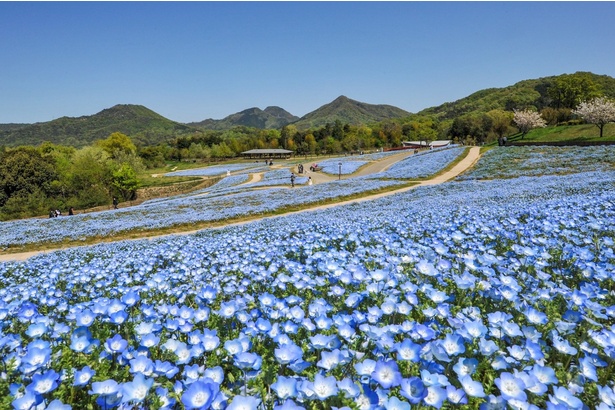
(526,93)
(143,125)
(270,117)
(349,112)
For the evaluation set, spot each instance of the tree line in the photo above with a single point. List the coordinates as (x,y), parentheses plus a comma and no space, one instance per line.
(34,180)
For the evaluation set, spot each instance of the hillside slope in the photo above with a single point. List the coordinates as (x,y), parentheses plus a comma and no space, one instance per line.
(349,112)
(526,93)
(142,124)
(270,117)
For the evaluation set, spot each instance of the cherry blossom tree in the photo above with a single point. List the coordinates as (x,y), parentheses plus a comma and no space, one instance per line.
(527,120)
(599,111)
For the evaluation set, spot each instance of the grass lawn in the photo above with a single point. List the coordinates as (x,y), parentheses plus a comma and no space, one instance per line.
(569,133)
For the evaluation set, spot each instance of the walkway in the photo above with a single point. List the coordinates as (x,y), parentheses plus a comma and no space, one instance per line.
(463,165)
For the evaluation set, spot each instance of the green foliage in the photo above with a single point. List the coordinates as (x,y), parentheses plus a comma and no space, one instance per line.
(125,182)
(24,171)
(117,144)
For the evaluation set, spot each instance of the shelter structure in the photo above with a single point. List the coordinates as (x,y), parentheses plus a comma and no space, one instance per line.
(425,144)
(267,154)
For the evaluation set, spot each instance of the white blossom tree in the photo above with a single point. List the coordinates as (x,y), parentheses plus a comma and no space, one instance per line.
(527,120)
(599,111)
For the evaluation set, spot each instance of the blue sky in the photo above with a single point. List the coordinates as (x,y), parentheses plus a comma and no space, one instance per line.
(196,60)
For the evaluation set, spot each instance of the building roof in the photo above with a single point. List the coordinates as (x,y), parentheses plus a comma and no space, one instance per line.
(268,151)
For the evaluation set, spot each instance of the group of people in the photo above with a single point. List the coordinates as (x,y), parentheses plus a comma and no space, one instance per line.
(56,213)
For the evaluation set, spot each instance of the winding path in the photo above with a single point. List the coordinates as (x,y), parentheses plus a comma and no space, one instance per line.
(378,166)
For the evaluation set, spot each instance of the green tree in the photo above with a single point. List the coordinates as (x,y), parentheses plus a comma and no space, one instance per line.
(125,182)
(500,122)
(116,144)
(568,90)
(24,171)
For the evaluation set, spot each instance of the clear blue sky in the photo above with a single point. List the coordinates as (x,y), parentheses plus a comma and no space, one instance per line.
(197,60)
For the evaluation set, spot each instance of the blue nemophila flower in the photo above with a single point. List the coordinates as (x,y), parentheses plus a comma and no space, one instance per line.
(244,403)
(44,383)
(136,390)
(105,388)
(471,387)
(408,351)
(35,358)
(324,387)
(142,364)
(453,344)
(349,387)
(248,361)
(455,395)
(393,403)
(413,389)
(58,405)
(116,344)
(435,396)
(36,330)
(85,318)
(562,396)
(200,394)
(27,401)
(465,366)
(83,376)
(511,387)
(288,405)
(285,387)
(387,374)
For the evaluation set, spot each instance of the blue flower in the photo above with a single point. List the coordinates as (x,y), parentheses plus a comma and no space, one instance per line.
(288,353)
(248,361)
(408,351)
(324,387)
(393,403)
(58,405)
(562,396)
(136,391)
(511,387)
(244,403)
(413,389)
(44,383)
(285,387)
(200,394)
(83,376)
(387,374)
(435,396)
(105,388)
(471,387)
(28,401)
(116,344)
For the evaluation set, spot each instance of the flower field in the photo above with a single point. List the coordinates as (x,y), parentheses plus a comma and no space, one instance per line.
(474,294)
(229,198)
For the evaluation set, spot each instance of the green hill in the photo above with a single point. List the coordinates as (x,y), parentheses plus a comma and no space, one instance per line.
(535,93)
(143,125)
(269,118)
(349,112)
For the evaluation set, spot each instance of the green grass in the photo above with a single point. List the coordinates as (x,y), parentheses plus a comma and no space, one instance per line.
(568,133)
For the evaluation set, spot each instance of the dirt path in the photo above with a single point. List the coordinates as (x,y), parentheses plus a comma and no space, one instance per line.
(380,166)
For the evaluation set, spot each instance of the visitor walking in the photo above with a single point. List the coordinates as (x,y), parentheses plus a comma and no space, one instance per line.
(115,202)
(292,180)
(309,180)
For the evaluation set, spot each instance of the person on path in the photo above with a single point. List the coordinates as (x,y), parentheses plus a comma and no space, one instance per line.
(309,180)
(71,211)
(292,180)
(115,202)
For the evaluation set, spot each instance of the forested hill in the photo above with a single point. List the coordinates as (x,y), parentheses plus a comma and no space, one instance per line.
(349,112)
(142,124)
(269,118)
(553,92)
